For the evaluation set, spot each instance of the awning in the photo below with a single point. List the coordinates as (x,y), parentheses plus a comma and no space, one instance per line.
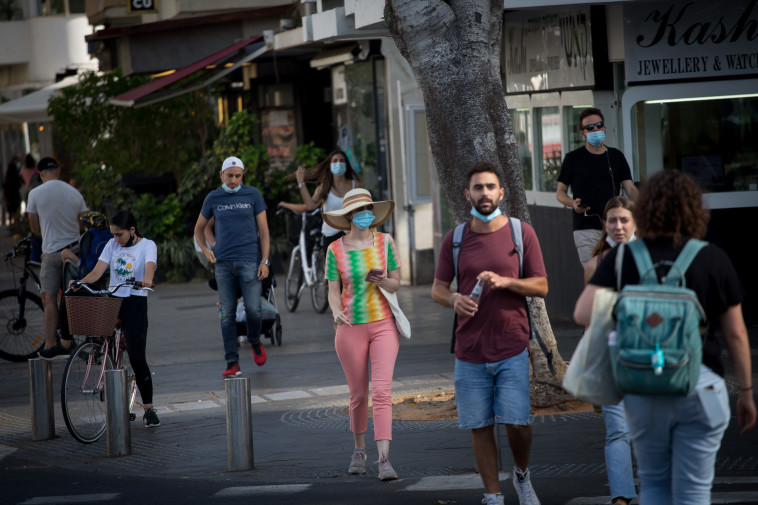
(32,108)
(194,76)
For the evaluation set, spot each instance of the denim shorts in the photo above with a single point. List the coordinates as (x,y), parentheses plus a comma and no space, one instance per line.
(486,393)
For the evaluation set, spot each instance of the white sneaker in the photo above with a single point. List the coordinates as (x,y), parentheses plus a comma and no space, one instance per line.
(497,499)
(524,489)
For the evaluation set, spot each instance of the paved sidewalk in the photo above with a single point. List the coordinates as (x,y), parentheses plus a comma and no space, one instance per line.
(301,429)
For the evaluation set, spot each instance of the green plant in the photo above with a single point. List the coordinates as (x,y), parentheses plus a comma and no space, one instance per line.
(159,218)
(103,141)
(177,261)
(235,140)
(308,155)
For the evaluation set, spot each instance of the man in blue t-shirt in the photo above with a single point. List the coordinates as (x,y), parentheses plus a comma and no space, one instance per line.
(240,256)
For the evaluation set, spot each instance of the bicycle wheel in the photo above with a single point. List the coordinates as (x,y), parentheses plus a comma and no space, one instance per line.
(22,330)
(83,392)
(292,286)
(320,290)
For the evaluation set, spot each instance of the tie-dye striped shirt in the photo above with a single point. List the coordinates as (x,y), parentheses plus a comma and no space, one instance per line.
(362,300)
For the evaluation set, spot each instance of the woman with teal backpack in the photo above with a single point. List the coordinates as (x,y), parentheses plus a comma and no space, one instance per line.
(676,437)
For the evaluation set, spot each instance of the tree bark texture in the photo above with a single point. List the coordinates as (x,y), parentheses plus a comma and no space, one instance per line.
(453,47)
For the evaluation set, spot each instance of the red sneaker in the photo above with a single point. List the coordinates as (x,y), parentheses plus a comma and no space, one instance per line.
(260,359)
(232,370)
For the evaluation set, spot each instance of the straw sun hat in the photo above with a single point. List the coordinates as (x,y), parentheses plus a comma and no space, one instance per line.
(355,199)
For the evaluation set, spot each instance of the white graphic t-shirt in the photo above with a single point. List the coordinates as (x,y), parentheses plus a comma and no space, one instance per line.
(126,262)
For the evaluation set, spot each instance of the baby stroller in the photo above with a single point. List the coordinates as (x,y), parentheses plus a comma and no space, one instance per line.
(271,321)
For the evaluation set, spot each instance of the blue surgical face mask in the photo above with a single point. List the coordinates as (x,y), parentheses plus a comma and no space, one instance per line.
(338,168)
(230,190)
(363,219)
(488,217)
(596,138)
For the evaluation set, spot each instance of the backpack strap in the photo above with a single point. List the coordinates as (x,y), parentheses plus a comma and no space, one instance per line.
(643,262)
(619,264)
(457,242)
(517,234)
(683,261)
(458,233)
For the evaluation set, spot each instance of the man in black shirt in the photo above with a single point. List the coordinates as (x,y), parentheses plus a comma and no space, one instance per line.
(596,174)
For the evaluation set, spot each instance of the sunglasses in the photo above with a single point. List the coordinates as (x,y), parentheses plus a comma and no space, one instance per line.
(592,126)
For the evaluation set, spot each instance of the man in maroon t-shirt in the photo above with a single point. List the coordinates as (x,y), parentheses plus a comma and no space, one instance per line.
(492,335)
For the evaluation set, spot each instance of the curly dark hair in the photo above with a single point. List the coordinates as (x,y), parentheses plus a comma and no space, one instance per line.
(670,205)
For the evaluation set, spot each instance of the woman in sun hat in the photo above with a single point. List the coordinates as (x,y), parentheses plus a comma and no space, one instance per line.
(365,326)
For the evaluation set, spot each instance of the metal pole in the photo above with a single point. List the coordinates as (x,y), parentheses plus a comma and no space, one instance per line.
(41,394)
(117,429)
(239,424)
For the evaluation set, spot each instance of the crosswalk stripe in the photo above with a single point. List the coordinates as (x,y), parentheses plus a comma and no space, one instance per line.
(451,482)
(74,498)
(255,490)
(716,498)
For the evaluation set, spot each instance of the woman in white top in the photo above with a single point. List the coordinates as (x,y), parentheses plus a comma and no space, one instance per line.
(335,177)
(130,255)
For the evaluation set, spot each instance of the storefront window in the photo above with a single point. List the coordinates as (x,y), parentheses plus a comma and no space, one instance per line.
(715,140)
(522,128)
(358,136)
(420,156)
(547,144)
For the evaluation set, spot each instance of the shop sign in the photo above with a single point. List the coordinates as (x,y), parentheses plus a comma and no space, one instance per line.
(547,50)
(690,40)
(142,6)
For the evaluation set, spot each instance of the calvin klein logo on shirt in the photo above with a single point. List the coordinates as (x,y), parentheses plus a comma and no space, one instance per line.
(233,206)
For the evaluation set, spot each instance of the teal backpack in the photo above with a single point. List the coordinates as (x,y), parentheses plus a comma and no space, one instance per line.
(658,345)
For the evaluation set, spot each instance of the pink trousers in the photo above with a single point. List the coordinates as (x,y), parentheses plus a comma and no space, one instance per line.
(356,346)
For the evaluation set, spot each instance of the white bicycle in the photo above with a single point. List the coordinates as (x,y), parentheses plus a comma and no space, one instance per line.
(307,261)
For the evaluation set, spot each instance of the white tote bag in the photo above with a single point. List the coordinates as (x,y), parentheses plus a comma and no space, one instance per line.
(589,376)
(402,323)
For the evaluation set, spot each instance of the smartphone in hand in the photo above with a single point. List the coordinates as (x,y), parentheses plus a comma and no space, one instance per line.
(373,272)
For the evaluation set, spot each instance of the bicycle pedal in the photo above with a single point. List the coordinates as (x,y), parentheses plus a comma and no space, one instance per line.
(132,416)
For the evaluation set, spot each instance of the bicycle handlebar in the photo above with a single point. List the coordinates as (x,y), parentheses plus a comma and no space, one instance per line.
(131,282)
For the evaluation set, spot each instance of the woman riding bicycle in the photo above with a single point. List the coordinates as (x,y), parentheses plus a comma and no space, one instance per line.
(335,177)
(128,255)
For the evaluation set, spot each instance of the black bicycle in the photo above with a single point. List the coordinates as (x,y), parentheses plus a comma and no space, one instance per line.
(22,328)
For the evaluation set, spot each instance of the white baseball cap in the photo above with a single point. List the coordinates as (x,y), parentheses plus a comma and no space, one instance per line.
(231,161)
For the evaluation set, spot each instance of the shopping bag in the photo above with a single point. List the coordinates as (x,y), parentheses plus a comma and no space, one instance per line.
(589,376)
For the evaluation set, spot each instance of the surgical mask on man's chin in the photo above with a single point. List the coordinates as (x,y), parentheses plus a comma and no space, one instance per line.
(230,190)
(486,218)
(596,138)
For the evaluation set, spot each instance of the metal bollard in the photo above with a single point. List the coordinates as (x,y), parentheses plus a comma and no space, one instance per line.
(239,424)
(41,394)
(117,430)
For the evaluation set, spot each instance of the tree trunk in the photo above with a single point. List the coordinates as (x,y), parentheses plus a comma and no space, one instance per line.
(453,47)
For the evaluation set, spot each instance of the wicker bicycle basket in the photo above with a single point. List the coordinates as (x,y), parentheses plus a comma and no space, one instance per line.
(92,315)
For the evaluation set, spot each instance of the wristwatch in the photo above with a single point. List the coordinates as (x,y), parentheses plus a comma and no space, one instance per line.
(266,262)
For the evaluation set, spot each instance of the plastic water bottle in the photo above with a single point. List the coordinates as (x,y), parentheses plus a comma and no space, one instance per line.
(477,291)
(657,360)
(612,338)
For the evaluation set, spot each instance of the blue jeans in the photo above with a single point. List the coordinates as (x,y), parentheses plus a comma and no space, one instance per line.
(230,275)
(486,393)
(676,439)
(618,452)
